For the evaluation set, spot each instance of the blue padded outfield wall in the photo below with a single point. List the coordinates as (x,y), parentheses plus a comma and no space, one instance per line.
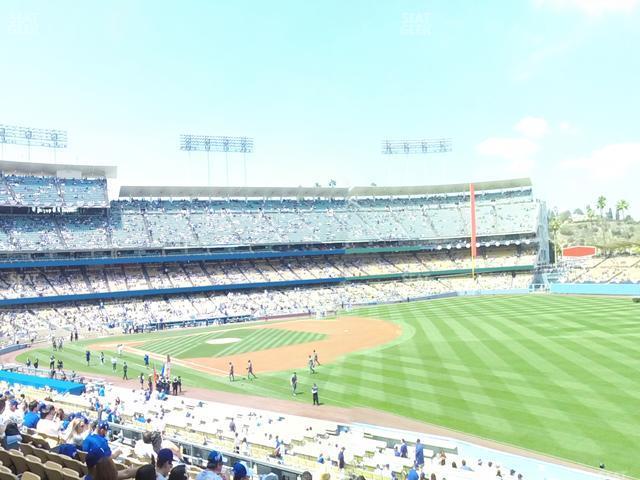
(41,382)
(596,288)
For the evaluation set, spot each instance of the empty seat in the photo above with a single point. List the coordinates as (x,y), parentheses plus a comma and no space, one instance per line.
(30,476)
(19,462)
(4,475)
(35,465)
(54,471)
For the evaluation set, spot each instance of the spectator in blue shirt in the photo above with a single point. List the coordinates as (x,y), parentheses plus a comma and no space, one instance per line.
(32,417)
(419,453)
(98,438)
(404,449)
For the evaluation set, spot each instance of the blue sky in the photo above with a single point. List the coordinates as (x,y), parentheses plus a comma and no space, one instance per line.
(546,88)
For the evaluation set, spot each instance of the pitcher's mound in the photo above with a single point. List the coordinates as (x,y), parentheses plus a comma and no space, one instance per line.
(222,341)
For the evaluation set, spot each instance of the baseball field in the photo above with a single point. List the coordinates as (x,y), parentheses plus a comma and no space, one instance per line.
(553,374)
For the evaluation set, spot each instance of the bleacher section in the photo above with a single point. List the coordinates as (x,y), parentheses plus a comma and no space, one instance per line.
(614,269)
(67,280)
(52,192)
(146,224)
(192,428)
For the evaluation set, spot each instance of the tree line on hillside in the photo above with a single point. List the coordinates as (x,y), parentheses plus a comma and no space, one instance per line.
(609,230)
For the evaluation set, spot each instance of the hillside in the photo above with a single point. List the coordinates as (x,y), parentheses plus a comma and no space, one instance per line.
(607,234)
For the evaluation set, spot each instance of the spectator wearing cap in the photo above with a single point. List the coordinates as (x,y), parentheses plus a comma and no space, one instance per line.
(164,463)
(13,414)
(214,467)
(101,467)
(97,439)
(241,471)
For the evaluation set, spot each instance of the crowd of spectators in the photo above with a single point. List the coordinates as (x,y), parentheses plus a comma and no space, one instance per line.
(610,269)
(85,433)
(197,223)
(110,316)
(21,283)
(49,192)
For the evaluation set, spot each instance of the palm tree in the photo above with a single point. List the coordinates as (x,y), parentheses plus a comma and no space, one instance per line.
(621,207)
(602,202)
(554,225)
(332,183)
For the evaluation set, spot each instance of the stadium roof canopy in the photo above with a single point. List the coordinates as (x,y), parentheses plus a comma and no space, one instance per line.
(63,170)
(128,191)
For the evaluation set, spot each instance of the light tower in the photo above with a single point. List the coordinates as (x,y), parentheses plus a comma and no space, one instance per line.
(225,144)
(32,137)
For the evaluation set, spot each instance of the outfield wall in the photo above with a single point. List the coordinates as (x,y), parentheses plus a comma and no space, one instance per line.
(596,288)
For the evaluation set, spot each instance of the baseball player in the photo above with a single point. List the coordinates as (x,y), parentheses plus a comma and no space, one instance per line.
(294,383)
(250,373)
(232,377)
(311,369)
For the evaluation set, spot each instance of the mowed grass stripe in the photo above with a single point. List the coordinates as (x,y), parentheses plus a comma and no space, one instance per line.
(560,364)
(483,358)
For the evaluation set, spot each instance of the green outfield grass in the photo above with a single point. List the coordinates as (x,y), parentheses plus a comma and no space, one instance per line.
(559,375)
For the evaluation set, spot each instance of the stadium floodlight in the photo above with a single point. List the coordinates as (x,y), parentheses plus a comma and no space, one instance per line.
(206,143)
(216,143)
(33,137)
(397,147)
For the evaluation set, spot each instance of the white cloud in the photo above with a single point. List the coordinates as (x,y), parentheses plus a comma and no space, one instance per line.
(592,8)
(532,127)
(611,162)
(517,151)
(566,127)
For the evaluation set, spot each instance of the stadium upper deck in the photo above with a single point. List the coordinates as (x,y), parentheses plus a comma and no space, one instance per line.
(216,217)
